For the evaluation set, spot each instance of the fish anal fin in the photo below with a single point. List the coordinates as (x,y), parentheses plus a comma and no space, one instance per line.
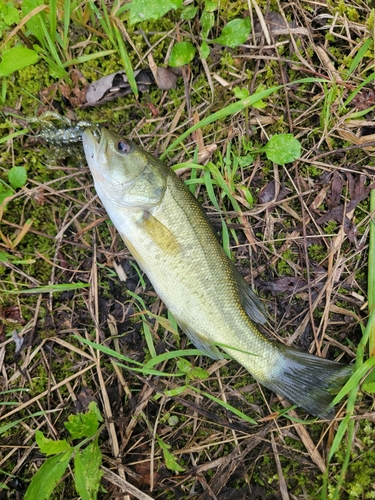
(249,300)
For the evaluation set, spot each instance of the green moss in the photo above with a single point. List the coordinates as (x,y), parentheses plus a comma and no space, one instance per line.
(360,475)
(283,267)
(317,252)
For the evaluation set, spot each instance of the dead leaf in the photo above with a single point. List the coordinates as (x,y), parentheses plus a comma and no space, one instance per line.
(84,398)
(358,190)
(116,85)
(38,196)
(12,314)
(364,99)
(18,341)
(166,78)
(319,198)
(268,193)
(336,190)
(287,284)
(339,212)
(347,135)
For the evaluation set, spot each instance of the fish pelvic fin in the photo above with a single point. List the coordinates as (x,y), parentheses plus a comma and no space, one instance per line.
(200,341)
(309,381)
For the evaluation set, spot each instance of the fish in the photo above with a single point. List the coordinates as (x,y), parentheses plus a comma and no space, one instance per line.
(169,235)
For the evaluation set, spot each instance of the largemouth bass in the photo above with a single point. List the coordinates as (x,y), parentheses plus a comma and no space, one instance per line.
(170,237)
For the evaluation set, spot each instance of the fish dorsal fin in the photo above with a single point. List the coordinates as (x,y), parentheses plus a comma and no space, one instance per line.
(249,300)
(200,341)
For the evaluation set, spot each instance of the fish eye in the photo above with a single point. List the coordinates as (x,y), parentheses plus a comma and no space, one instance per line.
(123,146)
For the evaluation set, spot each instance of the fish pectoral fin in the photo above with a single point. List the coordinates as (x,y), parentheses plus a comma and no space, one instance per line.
(201,342)
(159,233)
(249,300)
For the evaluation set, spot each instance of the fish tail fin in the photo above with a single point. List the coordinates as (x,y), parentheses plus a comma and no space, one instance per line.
(309,381)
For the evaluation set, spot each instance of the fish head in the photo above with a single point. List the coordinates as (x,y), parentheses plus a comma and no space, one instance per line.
(124,174)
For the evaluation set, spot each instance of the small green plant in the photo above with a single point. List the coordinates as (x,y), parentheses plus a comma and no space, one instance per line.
(17,178)
(86,455)
(17,58)
(8,15)
(234,33)
(142,10)
(282,149)
(170,461)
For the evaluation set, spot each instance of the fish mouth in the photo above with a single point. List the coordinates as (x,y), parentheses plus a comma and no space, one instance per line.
(94,149)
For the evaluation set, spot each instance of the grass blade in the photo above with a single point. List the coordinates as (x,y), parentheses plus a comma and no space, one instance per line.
(233,109)
(371,277)
(359,56)
(88,57)
(67,5)
(48,289)
(126,61)
(53,19)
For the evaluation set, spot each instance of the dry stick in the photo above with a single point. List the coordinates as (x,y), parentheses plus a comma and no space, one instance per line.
(333,256)
(174,123)
(144,397)
(229,463)
(44,393)
(342,150)
(224,398)
(261,19)
(14,268)
(305,438)
(307,260)
(22,23)
(124,485)
(313,305)
(59,235)
(295,46)
(107,405)
(17,449)
(30,326)
(113,330)
(282,482)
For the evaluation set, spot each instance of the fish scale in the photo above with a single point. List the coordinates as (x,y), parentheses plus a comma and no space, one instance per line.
(171,238)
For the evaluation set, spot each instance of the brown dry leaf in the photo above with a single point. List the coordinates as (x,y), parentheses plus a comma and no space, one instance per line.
(76,95)
(142,470)
(116,85)
(166,78)
(336,190)
(84,398)
(289,284)
(198,134)
(364,99)
(347,135)
(345,312)
(341,213)
(358,190)
(268,193)
(319,198)
(38,196)
(12,314)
